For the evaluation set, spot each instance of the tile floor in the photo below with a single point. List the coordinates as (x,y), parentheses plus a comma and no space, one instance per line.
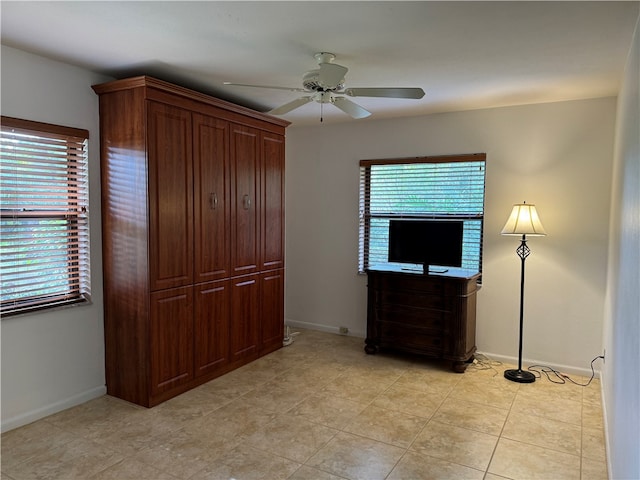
(323,409)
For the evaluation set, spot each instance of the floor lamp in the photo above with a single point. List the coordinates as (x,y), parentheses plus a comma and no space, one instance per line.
(523,221)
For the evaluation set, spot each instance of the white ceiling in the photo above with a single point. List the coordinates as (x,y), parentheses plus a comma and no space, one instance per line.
(465,55)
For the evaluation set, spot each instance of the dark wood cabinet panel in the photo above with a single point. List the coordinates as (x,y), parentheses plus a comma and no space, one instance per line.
(271,310)
(171,334)
(245,244)
(211,319)
(245,319)
(182,236)
(432,315)
(272,201)
(212,211)
(170,196)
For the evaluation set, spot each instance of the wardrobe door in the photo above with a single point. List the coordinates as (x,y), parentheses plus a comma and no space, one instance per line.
(171,339)
(211,321)
(245,190)
(211,198)
(272,193)
(245,317)
(170,172)
(271,310)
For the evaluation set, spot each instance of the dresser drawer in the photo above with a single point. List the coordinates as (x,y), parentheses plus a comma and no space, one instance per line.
(417,300)
(411,318)
(399,337)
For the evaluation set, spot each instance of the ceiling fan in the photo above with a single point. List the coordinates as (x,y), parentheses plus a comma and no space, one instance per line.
(326,85)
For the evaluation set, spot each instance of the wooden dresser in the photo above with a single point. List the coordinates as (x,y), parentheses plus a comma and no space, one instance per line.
(193,237)
(432,315)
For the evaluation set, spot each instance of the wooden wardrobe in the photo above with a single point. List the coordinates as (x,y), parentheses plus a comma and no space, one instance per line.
(193,237)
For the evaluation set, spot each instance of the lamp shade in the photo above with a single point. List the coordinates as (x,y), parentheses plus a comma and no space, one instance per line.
(524,220)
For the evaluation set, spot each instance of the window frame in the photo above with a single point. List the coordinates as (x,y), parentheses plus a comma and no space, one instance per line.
(365,215)
(68,204)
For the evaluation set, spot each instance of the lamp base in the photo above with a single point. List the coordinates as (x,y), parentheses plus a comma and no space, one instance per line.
(519,376)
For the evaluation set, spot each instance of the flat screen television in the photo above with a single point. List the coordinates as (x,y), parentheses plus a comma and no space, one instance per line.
(426,242)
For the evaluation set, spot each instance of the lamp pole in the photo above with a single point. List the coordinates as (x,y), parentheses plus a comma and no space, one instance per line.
(523,220)
(520,375)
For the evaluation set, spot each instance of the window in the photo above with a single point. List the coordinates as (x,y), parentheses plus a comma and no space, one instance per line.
(447,187)
(44,216)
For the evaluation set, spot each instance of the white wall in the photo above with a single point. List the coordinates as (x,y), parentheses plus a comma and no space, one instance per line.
(53,360)
(621,374)
(558,156)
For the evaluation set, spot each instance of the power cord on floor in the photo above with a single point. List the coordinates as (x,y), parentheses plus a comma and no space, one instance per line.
(483,362)
(288,336)
(554,376)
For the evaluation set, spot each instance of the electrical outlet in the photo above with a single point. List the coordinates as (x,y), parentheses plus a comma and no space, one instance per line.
(344,330)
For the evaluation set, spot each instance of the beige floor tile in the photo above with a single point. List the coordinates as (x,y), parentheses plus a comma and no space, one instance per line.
(493,476)
(187,451)
(594,469)
(593,392)
(232,420)
(132,469)
(295,439)
(78,459)
(96,418)
(495,392)
(230,386)
(326,409)
(274,398)
(190,405)
(310,473)
(592,415)
(545,433)
(395,428)
(549,406)
(414,466)
(307,377)
(361,392)
(593,444)
(248,463)
(471,415)
(454,444)
(429,380)
(139,431)
(409,401)
(34,439)
(347,415)
(356,458)
(542,386)
(524,461)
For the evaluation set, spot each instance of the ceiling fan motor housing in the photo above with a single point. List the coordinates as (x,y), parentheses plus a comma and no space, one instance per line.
(311,81)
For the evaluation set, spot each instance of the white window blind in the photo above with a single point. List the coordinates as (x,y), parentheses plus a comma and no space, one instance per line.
(438,188)
(44,224)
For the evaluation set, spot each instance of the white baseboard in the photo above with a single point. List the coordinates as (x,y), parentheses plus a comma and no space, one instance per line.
(322,328)
(37,414)
(607,444)
(568,369)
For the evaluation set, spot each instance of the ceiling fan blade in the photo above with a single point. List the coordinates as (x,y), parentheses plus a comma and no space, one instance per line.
(392,92)
(290,89)
(287,107)
(331,74)
(350,108)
